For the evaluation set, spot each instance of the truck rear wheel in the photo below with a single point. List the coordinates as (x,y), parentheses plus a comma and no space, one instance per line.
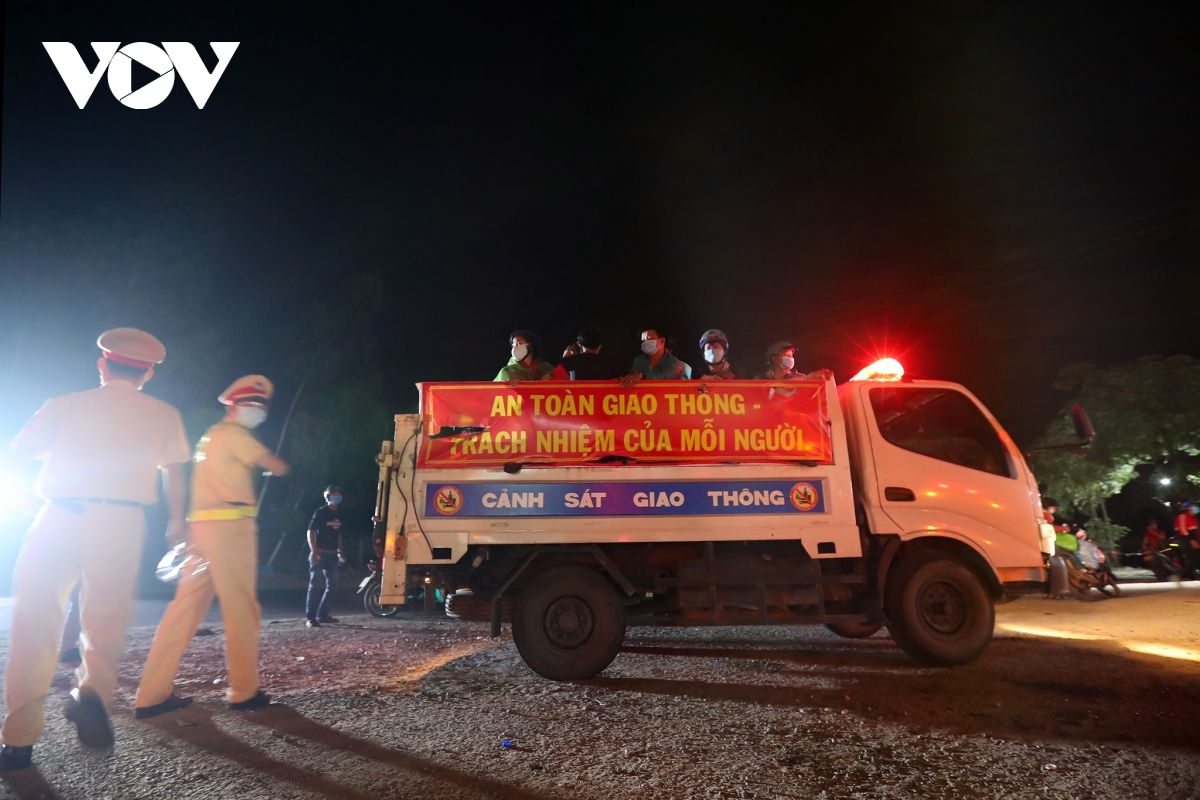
(938,610)
(569,623)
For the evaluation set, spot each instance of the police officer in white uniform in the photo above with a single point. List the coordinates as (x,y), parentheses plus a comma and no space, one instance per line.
(223,538)
(102,451)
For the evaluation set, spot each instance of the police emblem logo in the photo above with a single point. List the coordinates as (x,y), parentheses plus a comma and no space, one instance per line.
(447,500)
(803,496)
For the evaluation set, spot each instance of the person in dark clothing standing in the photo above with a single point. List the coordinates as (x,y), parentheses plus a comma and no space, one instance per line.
(584,361)
(325,555)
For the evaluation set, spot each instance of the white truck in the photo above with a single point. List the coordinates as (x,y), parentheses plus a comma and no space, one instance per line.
(576,509)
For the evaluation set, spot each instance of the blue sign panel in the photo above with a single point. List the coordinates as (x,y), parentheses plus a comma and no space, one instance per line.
(643,498)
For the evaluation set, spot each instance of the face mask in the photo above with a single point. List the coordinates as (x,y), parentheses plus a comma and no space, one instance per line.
(787,362)
(650,346)
(714,355)
(251,416)
(520,351)
(334,499)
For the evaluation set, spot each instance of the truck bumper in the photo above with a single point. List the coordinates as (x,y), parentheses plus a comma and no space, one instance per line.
(1012,591)
(1019,581)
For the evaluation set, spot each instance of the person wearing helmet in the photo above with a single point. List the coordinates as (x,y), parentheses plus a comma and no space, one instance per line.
(325,555)
(781,363)
(714,344)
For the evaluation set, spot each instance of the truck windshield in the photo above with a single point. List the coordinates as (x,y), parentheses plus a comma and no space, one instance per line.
(939,423)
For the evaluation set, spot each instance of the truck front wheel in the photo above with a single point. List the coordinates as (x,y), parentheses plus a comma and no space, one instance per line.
(938,610)
(569,624)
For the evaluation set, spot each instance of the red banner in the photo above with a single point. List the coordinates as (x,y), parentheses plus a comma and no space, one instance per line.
(583,422)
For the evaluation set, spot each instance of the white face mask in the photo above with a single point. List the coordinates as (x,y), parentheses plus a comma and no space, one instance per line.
(714,355)
(650,346)
(251,416)
(787,362)
(519,351)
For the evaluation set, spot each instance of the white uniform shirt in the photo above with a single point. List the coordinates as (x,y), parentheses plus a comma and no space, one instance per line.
(107,442)
(223,472)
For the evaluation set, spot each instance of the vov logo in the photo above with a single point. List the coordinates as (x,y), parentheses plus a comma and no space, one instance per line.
(165,61)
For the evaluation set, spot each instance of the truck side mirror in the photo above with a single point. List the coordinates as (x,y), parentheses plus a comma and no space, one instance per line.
(1084,432)
(1083,426)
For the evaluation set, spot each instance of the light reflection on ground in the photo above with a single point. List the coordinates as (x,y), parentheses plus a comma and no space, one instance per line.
(1157,619)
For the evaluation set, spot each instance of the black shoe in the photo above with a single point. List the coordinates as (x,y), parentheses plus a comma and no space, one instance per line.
(15,758)
(326,619)
(85,709)
(260,700)
(173,703)
(312,623)
(70,656)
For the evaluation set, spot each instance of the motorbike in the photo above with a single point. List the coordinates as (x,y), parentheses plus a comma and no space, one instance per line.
(1083,579)
(370,588)
(1170,561)
(1088,569)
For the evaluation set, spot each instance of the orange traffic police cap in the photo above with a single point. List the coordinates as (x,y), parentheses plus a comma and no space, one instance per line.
(248,389)
(131,347)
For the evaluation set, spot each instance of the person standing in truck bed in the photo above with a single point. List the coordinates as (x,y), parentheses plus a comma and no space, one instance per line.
(655,362)
(526,362)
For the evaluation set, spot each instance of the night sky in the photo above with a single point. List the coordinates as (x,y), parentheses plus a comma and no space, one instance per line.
(989,194)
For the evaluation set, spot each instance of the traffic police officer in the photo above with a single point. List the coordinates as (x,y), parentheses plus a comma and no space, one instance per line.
(222,539)
(102,451)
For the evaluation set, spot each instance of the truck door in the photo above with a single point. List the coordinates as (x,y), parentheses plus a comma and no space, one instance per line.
(943,466)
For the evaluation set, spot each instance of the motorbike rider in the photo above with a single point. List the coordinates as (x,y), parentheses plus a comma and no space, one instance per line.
(1066,544)
(1096,571)
(1066,547)
(1090,554)
(1188,532)
(1152,541)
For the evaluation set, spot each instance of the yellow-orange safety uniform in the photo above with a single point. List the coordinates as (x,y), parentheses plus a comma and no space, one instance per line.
(102,451)
(223,563)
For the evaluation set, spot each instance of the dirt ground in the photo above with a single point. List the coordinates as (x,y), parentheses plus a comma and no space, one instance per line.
(1073,699)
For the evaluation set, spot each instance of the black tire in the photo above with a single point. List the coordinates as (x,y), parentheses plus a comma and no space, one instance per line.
(569,624)
(372,605)
(939,610)
(854,630)
(464,605)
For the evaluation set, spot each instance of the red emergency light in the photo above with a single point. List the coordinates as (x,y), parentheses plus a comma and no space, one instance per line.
(885,369)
